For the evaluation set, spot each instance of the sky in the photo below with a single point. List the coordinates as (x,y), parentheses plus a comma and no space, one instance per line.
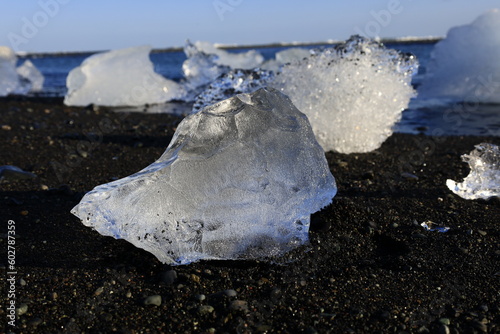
(91,25)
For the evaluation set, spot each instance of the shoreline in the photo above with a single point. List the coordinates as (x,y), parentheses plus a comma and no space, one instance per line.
(401,40)
(369,265)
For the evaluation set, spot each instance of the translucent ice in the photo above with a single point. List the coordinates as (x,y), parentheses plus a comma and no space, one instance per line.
(200,69)
(9,79)
(483,180)
(465,65)
(232,83)
(238,181)
(31,74)
(352,94)
(122,77)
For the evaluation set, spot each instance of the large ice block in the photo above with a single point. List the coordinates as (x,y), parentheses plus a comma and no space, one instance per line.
(465,65)
(122,77)
(483,180)
(239,180)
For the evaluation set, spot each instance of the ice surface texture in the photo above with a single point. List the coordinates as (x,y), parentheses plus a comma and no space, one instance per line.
(352,94)
(465,65)
(484,178)
(238,181)
(122,77)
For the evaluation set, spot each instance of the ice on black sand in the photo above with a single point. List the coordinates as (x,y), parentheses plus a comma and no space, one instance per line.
(239,180)
(483,180)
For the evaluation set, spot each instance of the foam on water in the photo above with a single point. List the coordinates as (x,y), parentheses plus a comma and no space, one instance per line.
(465,65)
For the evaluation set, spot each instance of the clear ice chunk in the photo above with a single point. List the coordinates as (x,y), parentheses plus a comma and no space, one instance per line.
(465,65)
(32,75)
(123,77)
(483,180)
(232,83)
(353,94)
(239,180)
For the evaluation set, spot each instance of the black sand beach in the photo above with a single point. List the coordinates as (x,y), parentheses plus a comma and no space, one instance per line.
(369,268)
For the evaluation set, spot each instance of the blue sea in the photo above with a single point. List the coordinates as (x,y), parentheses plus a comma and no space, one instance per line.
(439,118)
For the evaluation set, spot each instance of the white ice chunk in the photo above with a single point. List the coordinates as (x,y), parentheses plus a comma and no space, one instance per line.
(465,65)
(9,79)
(483,180)
(352,94)
(124,77)
(239,180)
(236,60)
(200,69)
(29,72)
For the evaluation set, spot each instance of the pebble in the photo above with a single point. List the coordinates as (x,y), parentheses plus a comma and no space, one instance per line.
(205,309)
(22,282)
(238,305)
(22,309)
(230,293)
(98,291)
(6,127)
(35,322)
(443,329)
(153,300)
(169,277)
(11,173)
(200,297)
(409,176)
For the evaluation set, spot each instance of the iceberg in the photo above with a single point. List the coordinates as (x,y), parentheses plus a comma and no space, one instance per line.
(464,66)
(353,94)
(483,180)
(9,79)
(239,180)
(28,72)
(122,77)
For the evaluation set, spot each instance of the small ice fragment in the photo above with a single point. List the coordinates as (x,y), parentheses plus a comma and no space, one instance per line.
(122,77)
(29,72)
(431,226)
(483,180)
(464,66)
(239,180)
(352,94)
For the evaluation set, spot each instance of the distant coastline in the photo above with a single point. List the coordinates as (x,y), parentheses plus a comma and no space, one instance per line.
(400,40)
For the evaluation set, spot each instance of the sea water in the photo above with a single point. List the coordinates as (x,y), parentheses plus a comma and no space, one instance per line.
(439,118)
